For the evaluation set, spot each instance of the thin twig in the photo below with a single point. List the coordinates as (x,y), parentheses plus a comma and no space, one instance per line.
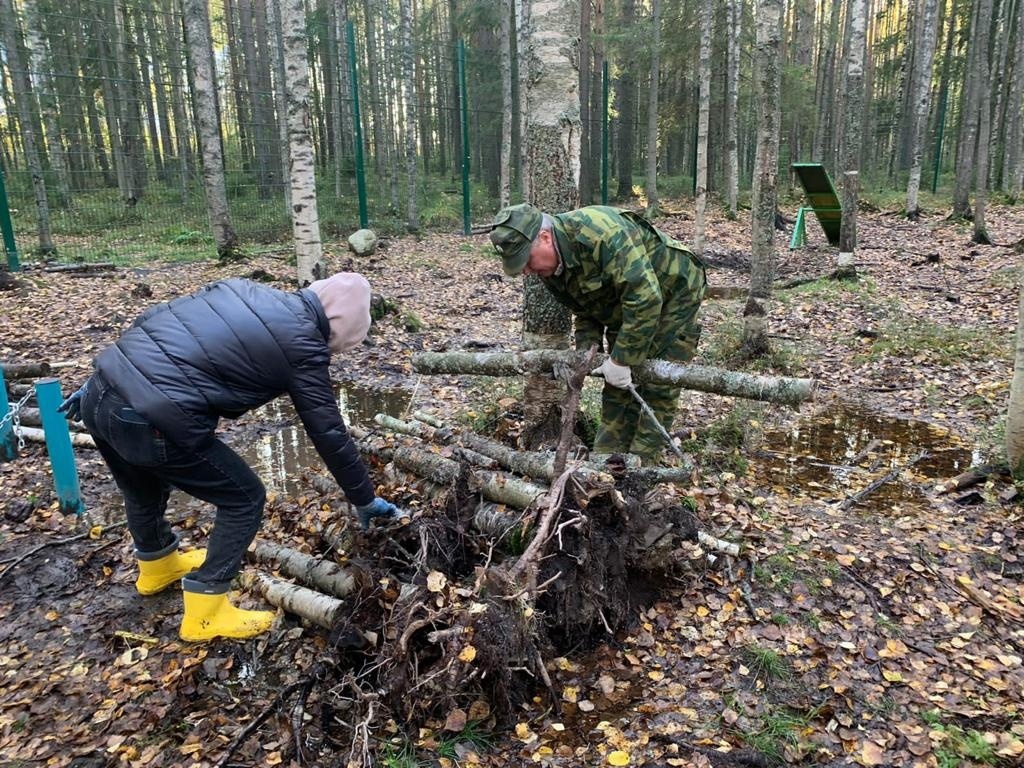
(54,543)
(257,722)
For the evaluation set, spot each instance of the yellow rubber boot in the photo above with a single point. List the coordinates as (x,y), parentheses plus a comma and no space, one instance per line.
(157,575)
(212,615)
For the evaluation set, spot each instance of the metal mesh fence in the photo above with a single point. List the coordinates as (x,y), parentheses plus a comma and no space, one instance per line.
(104,90)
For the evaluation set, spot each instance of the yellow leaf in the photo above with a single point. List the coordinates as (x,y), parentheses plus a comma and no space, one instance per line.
(436,581)
(656,675)
(846,560)
(95,532)
(467,654)
(569,693)
(52,615)
(871,754)
(618,757)
(892,675)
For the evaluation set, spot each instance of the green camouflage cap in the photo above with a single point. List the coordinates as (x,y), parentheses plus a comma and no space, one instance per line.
(513,232)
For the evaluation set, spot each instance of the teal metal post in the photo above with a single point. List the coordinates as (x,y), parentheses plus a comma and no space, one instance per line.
(58,445)
(8,440)
(8,227)
(357,125)
(464,119)
(604,134)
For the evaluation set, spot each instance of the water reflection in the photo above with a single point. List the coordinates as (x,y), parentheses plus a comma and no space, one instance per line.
(842,449)
(283,450)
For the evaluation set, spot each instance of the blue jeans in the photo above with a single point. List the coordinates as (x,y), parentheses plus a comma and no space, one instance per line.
(146,465)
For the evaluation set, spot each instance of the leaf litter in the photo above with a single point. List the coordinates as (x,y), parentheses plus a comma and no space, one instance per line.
(890,632)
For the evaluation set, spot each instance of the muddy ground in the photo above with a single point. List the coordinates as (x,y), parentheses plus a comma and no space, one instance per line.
(886,629)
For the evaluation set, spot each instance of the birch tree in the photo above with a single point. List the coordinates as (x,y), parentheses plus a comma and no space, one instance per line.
(922,86)
(200,49)
(852,124)
(24,103)
(553,141)
(305,218)
(734,19)
(507,108)
(1014,162)
(651,170)
(983,72)
(409,85)
(767,65)
(703,113)
(968,139)
(522,10)
(1015,408)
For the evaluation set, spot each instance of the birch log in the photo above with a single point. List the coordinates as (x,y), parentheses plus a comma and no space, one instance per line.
(325,575)
(36,435)
(776,389)
(314,607)
(25,370)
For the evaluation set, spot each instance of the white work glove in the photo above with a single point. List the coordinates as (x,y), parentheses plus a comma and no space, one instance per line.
(617,375)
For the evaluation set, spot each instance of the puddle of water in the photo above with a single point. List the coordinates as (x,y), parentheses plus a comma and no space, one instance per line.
(841,450)
(281,454)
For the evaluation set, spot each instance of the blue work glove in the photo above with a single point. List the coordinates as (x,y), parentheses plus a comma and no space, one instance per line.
(377,508)
(72,406)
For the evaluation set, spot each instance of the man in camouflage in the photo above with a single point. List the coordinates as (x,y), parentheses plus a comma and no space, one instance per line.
(628,284)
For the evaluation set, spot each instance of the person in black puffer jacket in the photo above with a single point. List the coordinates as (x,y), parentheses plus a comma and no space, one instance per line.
(157,394)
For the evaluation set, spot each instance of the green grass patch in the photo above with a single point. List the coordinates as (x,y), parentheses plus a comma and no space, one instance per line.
(724,349)
(398,753)
(722,443)
(938,343)
(472,736)
(780,730)
(765,664)
(960,745)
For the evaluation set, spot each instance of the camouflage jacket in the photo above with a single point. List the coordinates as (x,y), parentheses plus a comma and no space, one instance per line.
(619,271)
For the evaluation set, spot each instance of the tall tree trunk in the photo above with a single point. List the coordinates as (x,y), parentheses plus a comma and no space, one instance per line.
(507,107)
(968,140)
(522,10)
(922,86)
(409,84)
(158,53)
(25,105)
(41,60)
(197,32)
(1015,407)
(767,64)
(734,21)
(857,23)
(598,118)
(133,135)
(587,168)
(275,41)
(707,18)
(305,219)
(651,169)
(1015,114)
(143,58)
(625,97)
(374,109)
(552,138)
(174,31)
(262,144)
(982,78)
(1003,37)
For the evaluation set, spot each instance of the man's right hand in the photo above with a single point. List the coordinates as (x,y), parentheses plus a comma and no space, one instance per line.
(72,406)
(377,508)
(620,376)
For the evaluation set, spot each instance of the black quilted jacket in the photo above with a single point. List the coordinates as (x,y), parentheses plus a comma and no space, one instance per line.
(231,347)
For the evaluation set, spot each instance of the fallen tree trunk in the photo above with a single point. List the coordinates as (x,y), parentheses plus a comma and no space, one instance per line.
(25,370)
(776,389)
(96,266)
(36,435)
(30,417)
(325,575)
(314,607)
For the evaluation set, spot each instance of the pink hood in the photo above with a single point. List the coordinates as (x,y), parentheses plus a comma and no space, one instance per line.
(345,297)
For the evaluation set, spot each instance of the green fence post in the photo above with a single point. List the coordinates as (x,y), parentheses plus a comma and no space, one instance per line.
(604,134)
(8,438)
(357,125)
(8,227)
(464,119)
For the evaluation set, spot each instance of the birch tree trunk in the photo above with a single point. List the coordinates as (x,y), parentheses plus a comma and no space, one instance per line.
(197,33)
(553,141)
(767,59)
(625,102)
(39,54)
(409,87)
(522,9)
(983,74)
(1015,114)
(651,170)
(507,108)
(305,219)
(968,139)
(25,105)
(275,41)
(1015,408)
(857,22)
(707,18)
(922,85)
(172,30)
(734,20)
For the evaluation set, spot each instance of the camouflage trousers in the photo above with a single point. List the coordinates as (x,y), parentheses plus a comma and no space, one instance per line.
(624,427)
